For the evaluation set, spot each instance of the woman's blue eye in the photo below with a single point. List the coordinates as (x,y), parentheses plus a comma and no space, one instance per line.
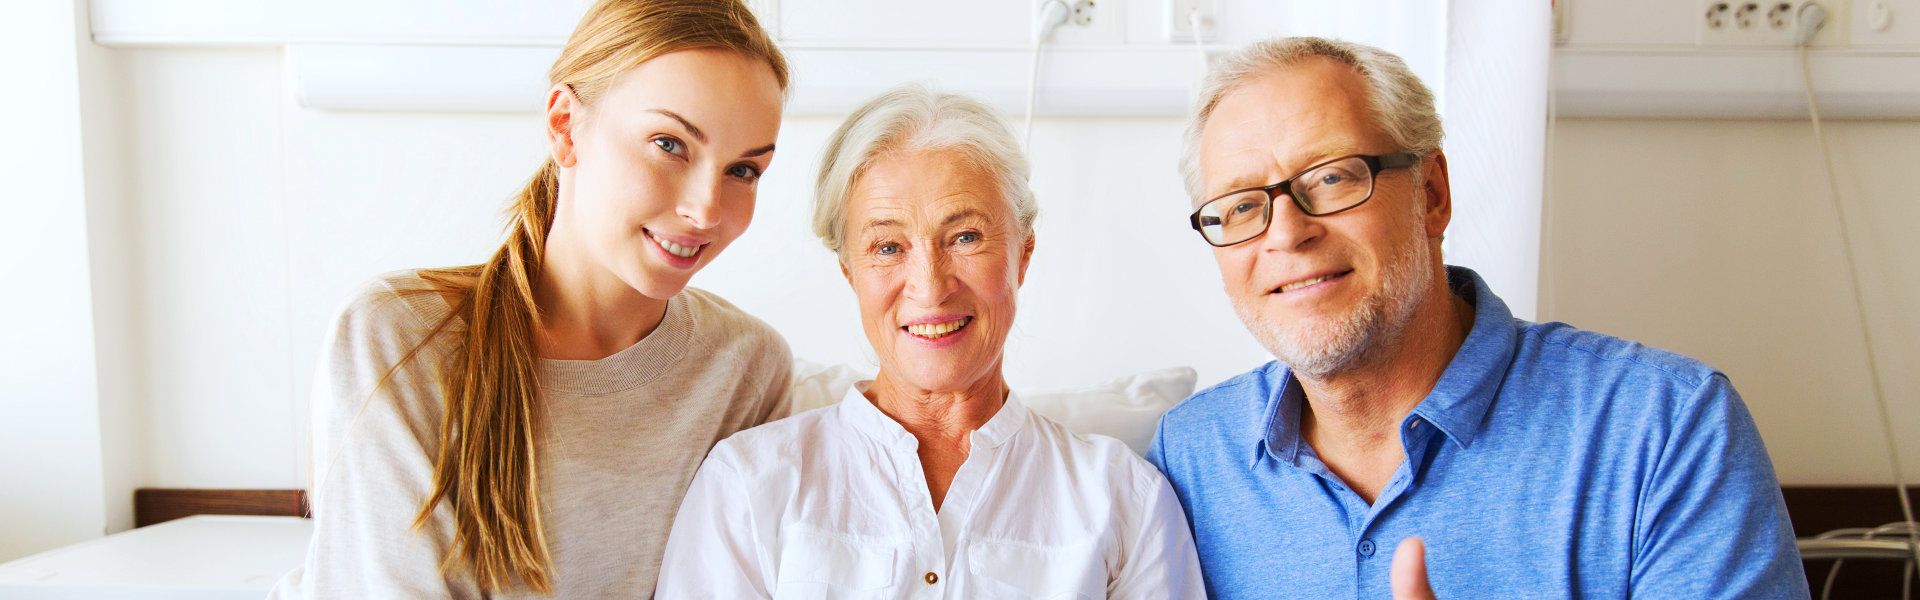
(747,172)
(967,238)
(670,145)
(886,249)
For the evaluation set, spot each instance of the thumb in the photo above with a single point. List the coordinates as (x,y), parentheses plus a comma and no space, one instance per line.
(1410,571)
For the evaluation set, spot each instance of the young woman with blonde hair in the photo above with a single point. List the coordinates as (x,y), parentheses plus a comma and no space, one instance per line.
(527,426)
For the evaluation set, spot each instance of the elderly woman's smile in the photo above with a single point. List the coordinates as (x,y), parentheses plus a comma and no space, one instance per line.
(933,328)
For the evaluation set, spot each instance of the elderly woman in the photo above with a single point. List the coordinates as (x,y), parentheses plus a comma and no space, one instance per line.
(932,480)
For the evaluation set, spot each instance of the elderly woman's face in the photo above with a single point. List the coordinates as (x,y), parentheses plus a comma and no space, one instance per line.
(935,256)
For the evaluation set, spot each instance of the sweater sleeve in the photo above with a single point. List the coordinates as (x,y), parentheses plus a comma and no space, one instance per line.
(373,444)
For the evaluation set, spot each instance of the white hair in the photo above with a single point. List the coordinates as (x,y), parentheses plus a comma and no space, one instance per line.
(915,118)
(1402,107)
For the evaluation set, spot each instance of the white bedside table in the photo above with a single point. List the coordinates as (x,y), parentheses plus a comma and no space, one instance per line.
(201,557)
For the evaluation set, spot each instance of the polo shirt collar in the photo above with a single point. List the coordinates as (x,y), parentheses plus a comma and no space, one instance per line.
(1280,435)
(1459,402)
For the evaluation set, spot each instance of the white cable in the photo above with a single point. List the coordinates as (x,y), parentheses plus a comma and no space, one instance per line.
(1826,590)
(1906,581)
(1860,305)
(1053,14)
(1194,21)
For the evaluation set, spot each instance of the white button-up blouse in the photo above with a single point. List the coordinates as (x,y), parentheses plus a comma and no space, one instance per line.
(832,503)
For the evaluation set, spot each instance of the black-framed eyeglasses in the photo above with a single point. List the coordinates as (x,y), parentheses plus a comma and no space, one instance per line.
(1320,190)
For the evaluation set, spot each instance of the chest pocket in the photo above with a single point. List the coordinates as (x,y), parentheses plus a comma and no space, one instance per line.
(816,565)
(1013,570)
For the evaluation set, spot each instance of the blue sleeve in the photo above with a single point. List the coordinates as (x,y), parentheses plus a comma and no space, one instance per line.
(1712,523)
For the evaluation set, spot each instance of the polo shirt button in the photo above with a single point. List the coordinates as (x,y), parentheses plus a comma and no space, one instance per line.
(932,578)
(1366,547)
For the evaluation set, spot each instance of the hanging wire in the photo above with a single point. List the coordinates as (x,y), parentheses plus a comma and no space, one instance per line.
(1866,333)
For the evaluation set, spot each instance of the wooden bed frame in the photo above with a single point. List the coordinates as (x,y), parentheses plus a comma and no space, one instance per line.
(158,505)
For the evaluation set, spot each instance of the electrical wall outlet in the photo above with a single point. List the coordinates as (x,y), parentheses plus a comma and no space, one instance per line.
(1180,22)
(1089,22)
(1767,23)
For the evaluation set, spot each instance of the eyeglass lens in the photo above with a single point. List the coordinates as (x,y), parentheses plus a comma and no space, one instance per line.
(1324,189)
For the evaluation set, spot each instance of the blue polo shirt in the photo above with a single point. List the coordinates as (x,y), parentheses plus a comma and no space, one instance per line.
(1548,462)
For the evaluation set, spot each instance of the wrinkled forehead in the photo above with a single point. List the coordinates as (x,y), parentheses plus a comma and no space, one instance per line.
(1285,120)
(924,189)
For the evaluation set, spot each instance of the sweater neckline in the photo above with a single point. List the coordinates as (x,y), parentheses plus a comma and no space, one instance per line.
(632,366)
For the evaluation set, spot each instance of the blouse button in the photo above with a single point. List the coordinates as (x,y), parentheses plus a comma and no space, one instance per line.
(932,578)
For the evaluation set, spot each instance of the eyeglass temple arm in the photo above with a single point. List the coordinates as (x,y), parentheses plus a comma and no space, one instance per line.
(1395,160)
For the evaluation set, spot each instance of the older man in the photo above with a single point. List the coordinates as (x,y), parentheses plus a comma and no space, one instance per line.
(1535,460)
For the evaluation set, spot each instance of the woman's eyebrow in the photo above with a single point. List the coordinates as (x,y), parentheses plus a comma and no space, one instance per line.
(962,215)
(691,129)
(758,151)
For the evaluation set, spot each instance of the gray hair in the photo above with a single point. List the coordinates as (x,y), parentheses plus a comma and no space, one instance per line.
(1402,107)
(915,118)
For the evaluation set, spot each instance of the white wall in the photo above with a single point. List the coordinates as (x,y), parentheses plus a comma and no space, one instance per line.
(1495,116)
(209,262)
(112,228)
(50,434)
(1718,239)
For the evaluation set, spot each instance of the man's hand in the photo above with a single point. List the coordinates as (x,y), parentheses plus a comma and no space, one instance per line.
(1410,571)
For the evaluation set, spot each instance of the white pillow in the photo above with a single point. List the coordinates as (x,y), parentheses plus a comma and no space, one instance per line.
(816,385)
(1127,408)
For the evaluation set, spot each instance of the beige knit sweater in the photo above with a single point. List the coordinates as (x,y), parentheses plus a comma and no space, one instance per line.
(623,437)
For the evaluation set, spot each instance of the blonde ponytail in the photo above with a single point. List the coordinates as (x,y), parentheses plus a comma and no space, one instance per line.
(488,468)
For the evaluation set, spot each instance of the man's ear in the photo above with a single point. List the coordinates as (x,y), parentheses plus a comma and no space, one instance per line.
(1439,196)
(563,112)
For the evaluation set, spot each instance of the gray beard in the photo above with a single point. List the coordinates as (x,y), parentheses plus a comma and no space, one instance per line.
(1320,347)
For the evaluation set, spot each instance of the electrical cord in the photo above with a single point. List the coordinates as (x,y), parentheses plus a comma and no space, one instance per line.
(1053,14)
(1812,16)
(1195,22)
(1861,542)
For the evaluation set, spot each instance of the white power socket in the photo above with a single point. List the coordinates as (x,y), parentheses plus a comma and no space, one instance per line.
(1767,23)
(1089,22)
(1180,24)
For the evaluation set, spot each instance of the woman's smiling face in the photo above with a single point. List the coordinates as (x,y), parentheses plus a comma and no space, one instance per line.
(936,258)
(664,166)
